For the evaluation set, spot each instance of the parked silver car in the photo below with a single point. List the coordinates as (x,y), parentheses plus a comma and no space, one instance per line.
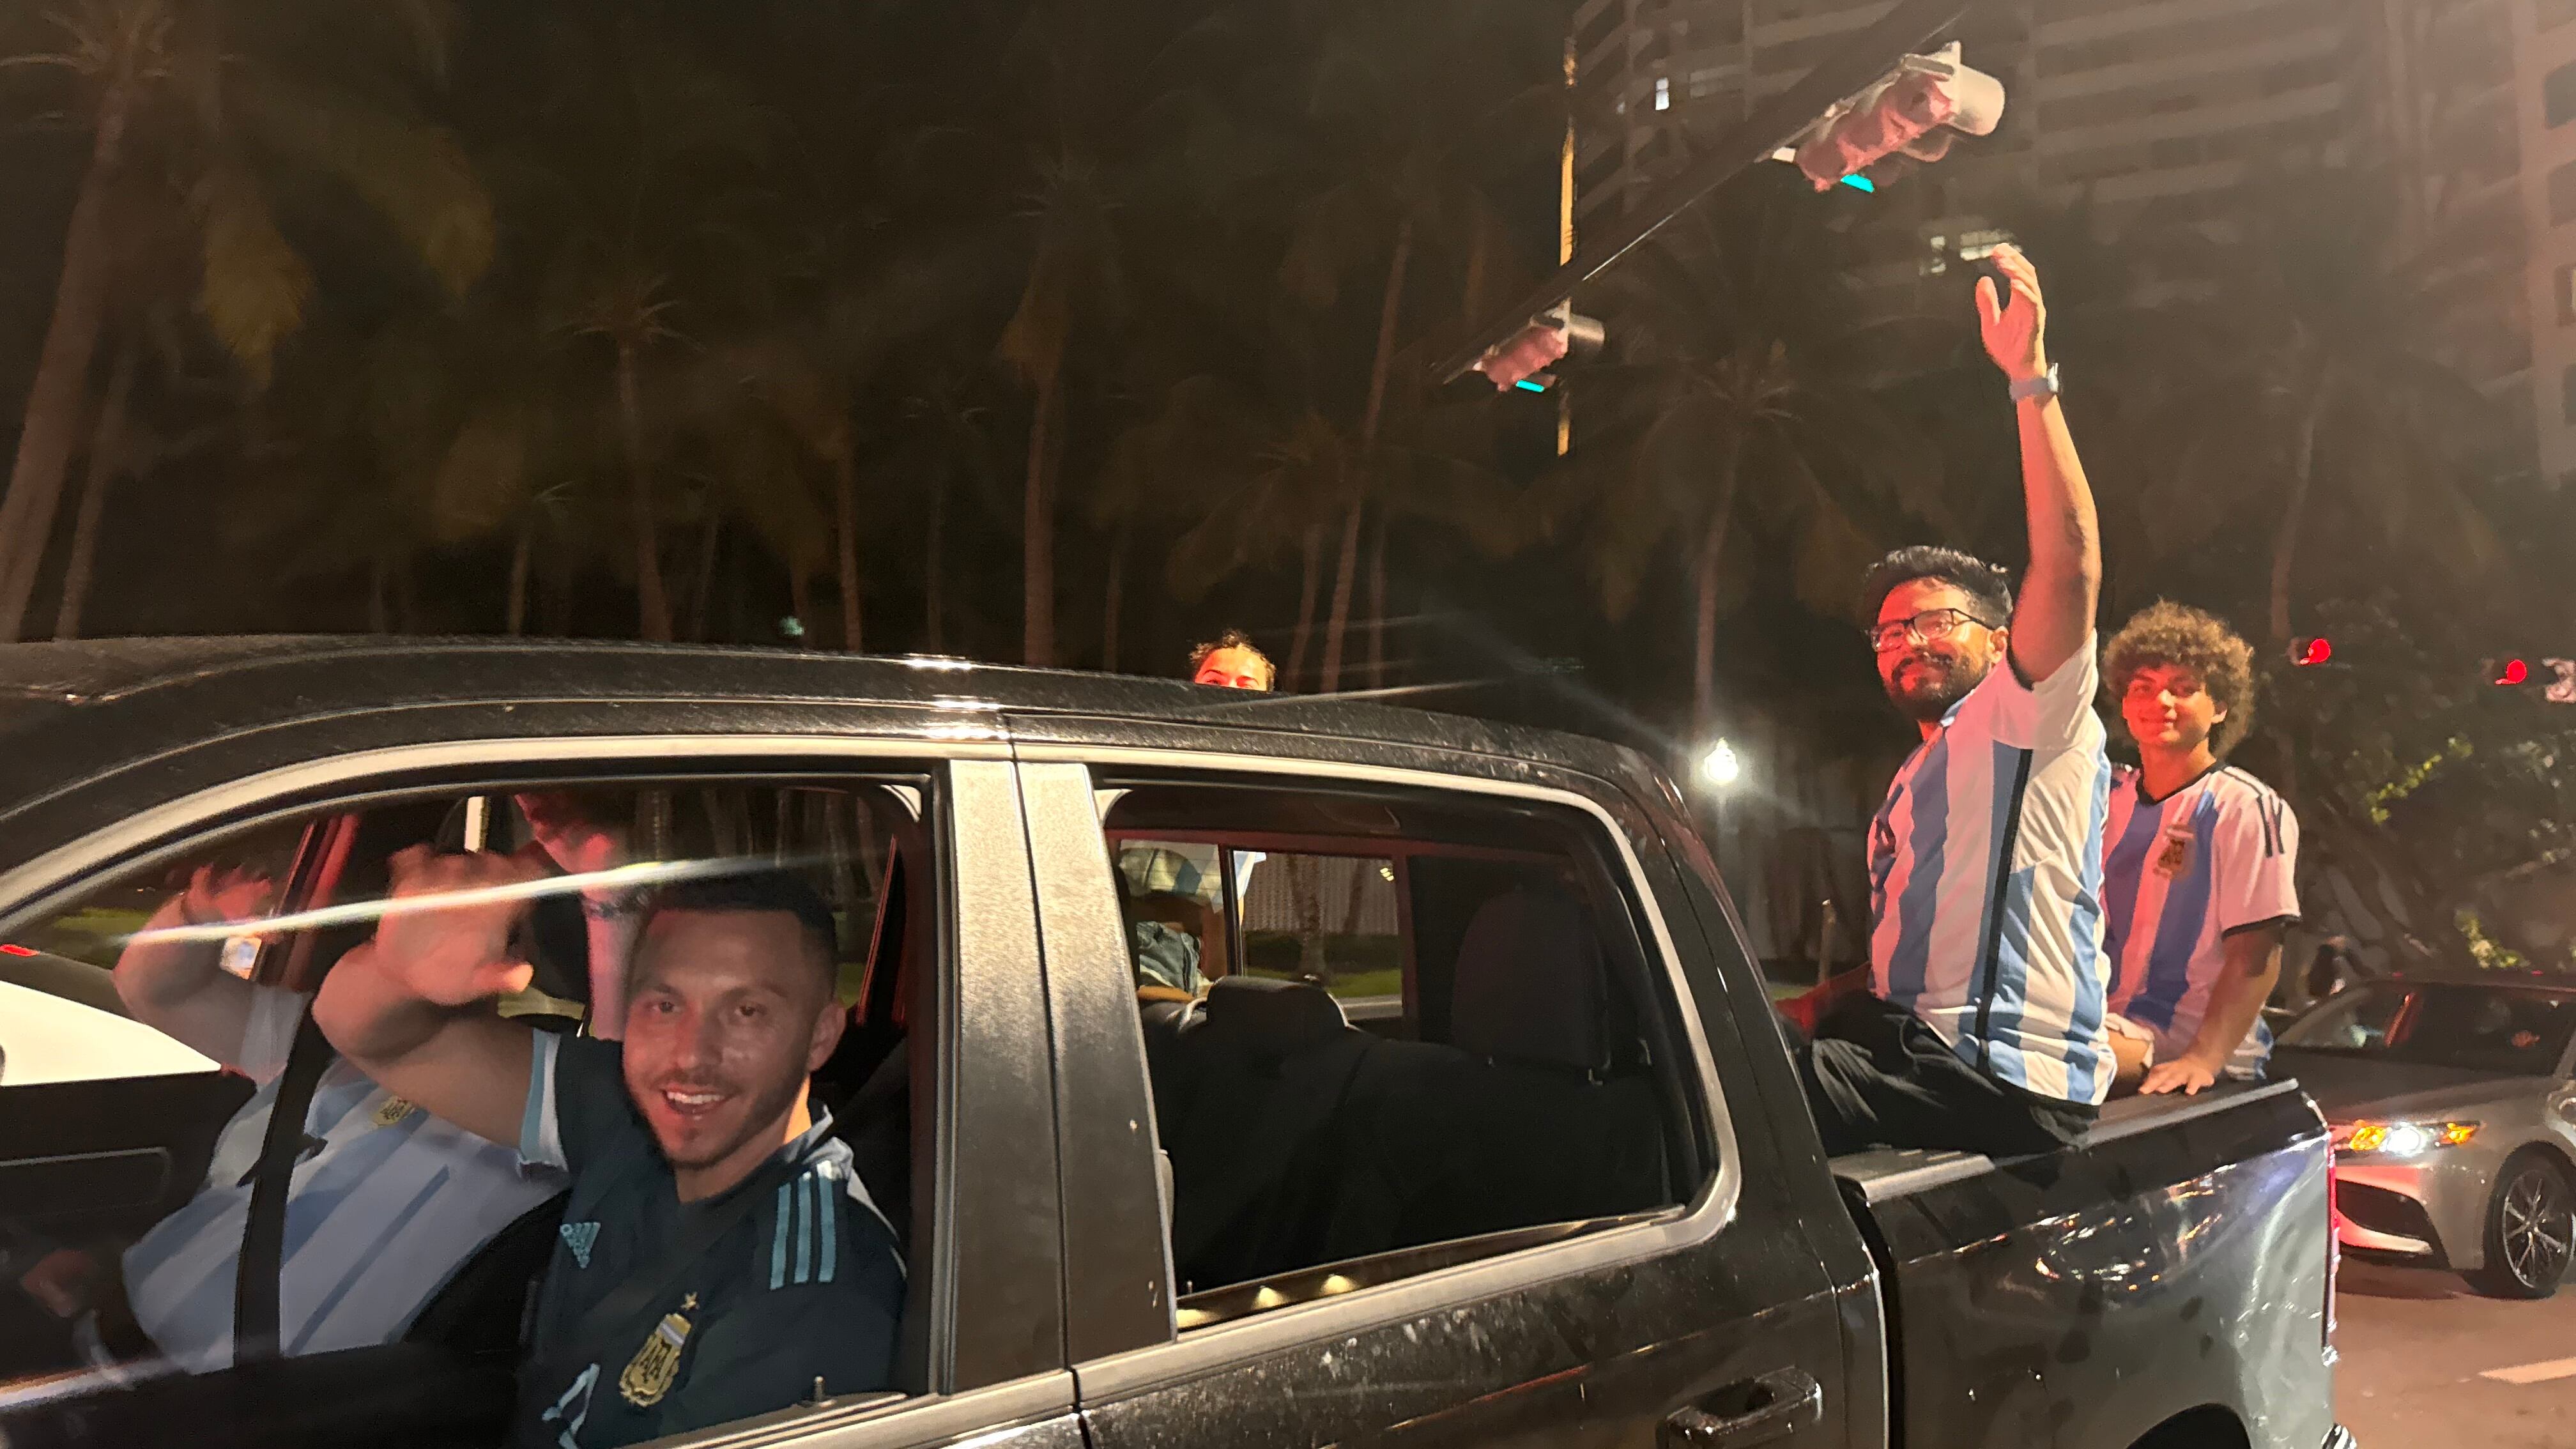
(2454,1118)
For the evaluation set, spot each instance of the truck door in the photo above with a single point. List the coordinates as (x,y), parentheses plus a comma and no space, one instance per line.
(1534,1202)
(945,1104)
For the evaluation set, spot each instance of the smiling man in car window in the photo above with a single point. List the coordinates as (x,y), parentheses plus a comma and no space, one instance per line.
(719,1258)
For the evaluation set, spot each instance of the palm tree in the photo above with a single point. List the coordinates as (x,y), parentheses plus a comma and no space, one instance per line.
(1251,477)
(122,446)
(1396,96)
(1074,272)
(195,114)
(1119,138)
(2317,373)
(827,374)
(109,454)
(637,188)
(947,439)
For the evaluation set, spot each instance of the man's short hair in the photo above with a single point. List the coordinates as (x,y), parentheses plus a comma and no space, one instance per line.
(1987,585)
(1235,639)
(760,891)
(2165,632)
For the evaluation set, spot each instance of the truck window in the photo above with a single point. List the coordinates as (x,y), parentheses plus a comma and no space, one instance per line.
(1444,1039)
(189,977)
(1328,920)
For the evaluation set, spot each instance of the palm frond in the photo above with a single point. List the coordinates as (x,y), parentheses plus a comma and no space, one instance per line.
(414,174)
(253,286)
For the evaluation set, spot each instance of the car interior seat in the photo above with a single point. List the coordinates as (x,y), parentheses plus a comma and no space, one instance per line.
(1249,1086)
(1530,1120)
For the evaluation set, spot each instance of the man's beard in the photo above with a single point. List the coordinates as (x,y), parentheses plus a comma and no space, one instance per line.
(771,1103)
(1937,686)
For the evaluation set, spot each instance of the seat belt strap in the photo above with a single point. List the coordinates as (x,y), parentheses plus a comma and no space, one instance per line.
(255,1330)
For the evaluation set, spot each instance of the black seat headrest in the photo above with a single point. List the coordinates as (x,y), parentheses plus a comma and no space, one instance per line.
(1272,1018)
(1529,984)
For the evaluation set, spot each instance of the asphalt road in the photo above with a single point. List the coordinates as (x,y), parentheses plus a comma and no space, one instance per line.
(2427,1364)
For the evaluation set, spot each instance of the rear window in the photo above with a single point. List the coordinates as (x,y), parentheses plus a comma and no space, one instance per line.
(1387,1033)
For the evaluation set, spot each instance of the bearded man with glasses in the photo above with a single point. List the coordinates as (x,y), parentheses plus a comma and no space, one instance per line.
(1984,1027)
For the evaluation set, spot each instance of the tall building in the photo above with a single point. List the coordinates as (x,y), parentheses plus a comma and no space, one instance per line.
(2164,106)
(2542,45)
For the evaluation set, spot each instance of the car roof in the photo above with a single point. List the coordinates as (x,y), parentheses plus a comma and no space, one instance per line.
(57,698)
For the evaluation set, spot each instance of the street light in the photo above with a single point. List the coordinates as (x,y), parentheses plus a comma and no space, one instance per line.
(1720,766)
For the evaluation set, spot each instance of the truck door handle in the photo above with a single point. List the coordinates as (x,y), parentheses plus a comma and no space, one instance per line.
(1755,1411)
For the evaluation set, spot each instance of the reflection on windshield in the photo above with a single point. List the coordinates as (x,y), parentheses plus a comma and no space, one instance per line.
(2477,1027)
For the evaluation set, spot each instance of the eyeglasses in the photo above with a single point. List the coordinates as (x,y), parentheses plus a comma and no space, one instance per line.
(1923,628)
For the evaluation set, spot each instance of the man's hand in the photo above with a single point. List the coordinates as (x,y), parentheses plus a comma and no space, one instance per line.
(227,893)
(444,937)
(2014,326)
(396,1006)
(2062,588)
(66,1281)
(1526,353)
(576,843)
(178,987)
(2186,1074)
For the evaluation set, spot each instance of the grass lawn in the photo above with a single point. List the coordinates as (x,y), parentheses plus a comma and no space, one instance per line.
(1386,981)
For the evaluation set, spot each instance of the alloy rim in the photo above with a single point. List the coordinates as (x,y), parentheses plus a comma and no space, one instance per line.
(2539,1227)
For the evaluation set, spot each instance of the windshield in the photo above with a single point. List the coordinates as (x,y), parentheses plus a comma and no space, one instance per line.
(2482,1028)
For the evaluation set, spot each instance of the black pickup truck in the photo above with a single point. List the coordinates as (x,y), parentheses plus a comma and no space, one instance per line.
(1236,1070)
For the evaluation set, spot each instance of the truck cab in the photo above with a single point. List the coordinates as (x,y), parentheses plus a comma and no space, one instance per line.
(1236,1068)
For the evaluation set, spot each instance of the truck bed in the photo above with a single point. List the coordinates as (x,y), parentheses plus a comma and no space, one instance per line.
(2177,1264)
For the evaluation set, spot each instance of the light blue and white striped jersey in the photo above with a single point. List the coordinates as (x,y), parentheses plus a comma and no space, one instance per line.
(1985,867)
(2180,875)
(379,1215)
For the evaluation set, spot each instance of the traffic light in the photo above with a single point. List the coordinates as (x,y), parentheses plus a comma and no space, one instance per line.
(2307,653)
(1519,362)
(1915,109)
(2555,678)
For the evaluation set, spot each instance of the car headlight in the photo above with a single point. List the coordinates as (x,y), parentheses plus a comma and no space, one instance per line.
(2407,1139)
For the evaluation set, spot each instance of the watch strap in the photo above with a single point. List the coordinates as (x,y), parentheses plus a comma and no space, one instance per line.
(2044,385)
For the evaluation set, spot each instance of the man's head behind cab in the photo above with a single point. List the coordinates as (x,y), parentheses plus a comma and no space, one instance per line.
(1229,661)
(1939,622)
(732,1007)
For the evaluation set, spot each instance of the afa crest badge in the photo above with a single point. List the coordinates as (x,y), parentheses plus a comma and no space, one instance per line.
(2175,858)
(656,1365)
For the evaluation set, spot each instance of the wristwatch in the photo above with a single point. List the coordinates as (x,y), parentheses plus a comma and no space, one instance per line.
(612,905)
(2044,385)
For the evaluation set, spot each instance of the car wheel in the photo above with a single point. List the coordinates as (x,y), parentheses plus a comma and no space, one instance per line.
(2531,1230)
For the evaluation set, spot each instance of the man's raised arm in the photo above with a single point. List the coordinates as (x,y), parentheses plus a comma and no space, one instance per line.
(179,987)
(408,1008)
(2064,584)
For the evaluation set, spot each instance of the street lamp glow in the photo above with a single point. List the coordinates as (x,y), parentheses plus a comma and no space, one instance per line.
(1720,767)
